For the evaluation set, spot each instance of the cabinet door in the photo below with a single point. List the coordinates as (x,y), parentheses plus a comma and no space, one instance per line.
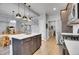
(27,47)
(16,46)
(38,41)
(34,42)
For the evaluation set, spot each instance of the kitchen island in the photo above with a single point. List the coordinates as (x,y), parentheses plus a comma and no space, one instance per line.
(22,44)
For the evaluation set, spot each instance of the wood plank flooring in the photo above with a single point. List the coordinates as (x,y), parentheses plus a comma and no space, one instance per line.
(49,47)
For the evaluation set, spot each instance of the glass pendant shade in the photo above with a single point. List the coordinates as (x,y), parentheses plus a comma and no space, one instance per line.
(29,19)
(18,15)
(24,18)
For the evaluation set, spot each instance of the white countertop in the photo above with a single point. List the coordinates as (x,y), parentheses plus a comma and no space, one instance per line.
(21,36)
(69,34)
(72,46)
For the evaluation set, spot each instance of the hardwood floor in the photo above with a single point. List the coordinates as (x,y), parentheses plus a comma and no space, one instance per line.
(49,47)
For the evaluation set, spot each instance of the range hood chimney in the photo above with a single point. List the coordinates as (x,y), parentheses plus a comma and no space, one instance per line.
(74,16)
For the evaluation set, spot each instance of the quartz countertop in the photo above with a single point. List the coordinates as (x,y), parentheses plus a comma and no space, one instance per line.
(72,46)
(21,36)
(69,34)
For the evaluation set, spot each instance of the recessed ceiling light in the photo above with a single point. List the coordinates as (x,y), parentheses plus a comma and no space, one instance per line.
(54,9)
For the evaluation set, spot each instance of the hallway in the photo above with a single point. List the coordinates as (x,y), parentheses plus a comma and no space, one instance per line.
(49,47)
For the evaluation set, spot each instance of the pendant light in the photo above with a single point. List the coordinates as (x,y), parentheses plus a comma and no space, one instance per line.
(29,18)
(24,17)
(13,13)
(18,15)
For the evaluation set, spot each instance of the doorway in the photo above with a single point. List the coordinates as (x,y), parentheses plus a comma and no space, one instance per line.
(51,29)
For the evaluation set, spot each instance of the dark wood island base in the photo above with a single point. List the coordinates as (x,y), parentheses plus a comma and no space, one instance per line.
(26,46)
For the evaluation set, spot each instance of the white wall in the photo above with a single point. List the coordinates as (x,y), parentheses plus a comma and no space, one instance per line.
(35,28)
(75,28)
(42,26)
(58,25)
(3,24)
(35,25)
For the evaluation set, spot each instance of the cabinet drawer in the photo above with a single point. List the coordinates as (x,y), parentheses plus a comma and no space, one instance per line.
(26,40)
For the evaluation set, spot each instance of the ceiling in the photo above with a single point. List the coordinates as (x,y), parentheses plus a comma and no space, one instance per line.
(7,8)
(35,10)
(48,8)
